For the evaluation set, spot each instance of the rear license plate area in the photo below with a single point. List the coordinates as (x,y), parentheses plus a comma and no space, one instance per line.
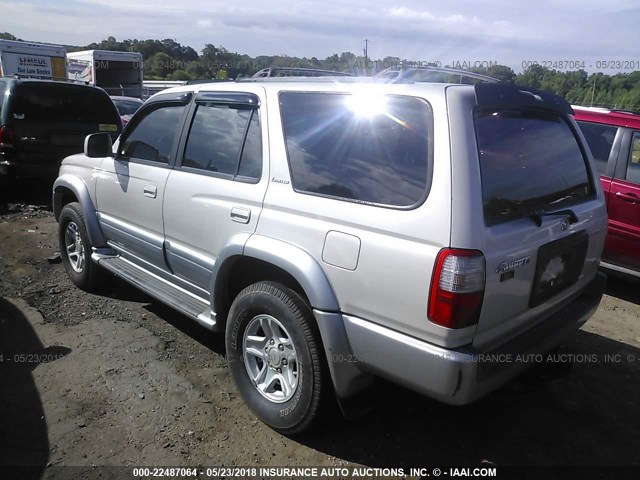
(559,265)
(67,139)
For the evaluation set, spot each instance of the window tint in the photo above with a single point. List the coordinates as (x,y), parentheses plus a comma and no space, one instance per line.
(528,161)
(633,167)
(216,138)
(367,148)
(251,160)
(152,137)
(600,139)
(51,103)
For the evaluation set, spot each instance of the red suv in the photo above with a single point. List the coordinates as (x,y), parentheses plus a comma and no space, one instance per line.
(614,139)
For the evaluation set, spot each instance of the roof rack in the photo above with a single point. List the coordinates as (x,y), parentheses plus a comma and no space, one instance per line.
(404,74)
(298,72)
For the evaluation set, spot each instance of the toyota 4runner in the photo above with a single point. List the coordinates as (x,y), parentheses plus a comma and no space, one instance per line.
(341,229)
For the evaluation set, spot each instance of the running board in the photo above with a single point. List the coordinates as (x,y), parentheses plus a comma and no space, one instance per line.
(618,268)
(185,302)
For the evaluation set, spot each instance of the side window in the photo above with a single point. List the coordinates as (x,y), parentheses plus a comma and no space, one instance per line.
(152,137)
(600,139)
(633,167)
(225,139)
(3,88)
(251,159)
(359,148)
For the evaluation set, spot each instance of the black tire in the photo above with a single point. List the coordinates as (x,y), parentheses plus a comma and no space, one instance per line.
(269,299)
(89,275)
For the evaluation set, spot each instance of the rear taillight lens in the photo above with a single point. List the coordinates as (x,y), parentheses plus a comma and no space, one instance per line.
(457,288)
(7,137)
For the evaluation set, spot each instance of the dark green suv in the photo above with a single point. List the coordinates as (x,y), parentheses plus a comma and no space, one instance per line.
(43,121)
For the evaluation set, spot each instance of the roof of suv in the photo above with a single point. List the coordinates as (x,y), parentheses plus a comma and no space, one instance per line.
(609,117)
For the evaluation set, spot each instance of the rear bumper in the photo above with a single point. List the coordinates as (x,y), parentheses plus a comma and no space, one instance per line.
(463,375)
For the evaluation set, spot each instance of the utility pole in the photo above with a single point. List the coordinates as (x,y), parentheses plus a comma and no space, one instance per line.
(593,90)
(366,56)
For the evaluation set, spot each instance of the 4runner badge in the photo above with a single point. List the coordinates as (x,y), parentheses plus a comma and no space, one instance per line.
(512,265)
(279,180)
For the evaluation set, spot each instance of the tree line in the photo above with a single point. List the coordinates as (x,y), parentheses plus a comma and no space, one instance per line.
(168,59)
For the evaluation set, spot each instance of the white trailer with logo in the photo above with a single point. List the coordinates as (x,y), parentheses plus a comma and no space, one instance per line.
(34,60)
(119,73)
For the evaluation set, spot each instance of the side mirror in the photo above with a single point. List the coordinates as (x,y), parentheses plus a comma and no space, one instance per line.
(98,145)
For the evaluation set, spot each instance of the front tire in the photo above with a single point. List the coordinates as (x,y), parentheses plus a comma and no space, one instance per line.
(275,357)
(75,248)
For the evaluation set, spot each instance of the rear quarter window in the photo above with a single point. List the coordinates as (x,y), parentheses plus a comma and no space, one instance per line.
(357,148)
(600,140)
(529,161)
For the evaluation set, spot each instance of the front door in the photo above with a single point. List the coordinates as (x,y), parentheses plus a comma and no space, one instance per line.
(130,187)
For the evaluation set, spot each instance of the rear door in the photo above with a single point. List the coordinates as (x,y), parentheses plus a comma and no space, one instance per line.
(538,216)
(218,186)
(623,243)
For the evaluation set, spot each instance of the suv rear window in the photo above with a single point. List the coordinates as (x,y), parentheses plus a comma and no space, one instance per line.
(361,148)
(50,103)
(529,162)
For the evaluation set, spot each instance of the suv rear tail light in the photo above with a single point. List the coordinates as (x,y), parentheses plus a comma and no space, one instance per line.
(457,288)
(7,137)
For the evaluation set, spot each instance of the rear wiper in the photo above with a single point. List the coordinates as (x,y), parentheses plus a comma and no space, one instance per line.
(537,216)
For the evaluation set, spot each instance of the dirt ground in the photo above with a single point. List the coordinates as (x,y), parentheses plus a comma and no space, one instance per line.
(116,378)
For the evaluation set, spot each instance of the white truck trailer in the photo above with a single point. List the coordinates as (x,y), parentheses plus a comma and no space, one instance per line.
(119,73)
(34,60)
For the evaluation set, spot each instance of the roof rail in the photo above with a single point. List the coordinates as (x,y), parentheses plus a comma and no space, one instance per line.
(298,72)
(404,74)
(325,79)
(628,111)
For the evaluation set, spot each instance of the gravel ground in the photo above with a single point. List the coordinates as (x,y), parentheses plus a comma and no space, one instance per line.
(116,378)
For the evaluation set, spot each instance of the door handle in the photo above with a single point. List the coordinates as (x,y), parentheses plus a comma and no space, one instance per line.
(628,197)
(150,191)
(240,215)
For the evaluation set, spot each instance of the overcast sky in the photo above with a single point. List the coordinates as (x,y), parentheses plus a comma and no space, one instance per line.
(504,31)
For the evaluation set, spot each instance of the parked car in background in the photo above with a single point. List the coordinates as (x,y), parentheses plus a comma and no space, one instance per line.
(614,139)
(43,121)
(126,106)
(339,229)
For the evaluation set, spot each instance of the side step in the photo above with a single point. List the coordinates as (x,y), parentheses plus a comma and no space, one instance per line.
(185,302)
(618,268)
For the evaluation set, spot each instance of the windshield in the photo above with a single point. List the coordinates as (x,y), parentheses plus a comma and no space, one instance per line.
(529,162)
(126,107)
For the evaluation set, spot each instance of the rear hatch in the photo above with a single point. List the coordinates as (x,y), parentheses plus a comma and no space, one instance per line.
(51,120)
(539,210)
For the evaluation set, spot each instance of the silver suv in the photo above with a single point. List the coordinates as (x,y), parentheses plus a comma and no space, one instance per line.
(341,229)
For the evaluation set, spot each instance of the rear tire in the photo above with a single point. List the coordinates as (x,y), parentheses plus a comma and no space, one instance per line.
(275,356)
(75,248)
